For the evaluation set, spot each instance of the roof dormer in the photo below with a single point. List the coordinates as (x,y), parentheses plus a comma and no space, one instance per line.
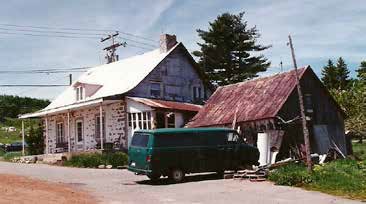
(83,90)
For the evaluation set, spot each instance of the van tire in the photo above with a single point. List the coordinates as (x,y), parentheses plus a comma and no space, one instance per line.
(177,175)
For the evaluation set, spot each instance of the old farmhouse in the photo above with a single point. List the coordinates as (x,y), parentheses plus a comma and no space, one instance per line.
(270,105)
(105,105)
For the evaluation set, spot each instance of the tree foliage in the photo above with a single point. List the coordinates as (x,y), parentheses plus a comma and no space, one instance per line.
(342,73)
(35,141)
(329,75)
(361,72)
(229,53)
(12,106)
(353,102)
(336,76)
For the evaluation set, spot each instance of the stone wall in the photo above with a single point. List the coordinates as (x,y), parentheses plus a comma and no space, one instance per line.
(115,119)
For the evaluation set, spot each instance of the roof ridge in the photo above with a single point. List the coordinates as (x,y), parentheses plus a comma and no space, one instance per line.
(266,77)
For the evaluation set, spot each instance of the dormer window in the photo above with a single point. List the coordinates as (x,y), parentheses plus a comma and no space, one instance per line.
(80,93)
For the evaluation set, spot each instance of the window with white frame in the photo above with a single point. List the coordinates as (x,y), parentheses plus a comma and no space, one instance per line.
(171,120)
(155,89)
(60,133)
(80,93)
(197,93)
(97,127)
(140,120)
(79,130)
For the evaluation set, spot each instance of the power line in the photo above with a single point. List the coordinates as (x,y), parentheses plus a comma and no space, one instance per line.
(37,71)
(73,36)
(33,85)
(77,29)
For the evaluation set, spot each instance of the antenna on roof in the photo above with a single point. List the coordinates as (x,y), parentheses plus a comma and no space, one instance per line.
(111,50)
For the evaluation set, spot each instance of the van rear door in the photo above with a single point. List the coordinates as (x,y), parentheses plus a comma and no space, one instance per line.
(138,151)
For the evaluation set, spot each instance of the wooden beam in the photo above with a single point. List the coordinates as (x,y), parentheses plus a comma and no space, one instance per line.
(23,139)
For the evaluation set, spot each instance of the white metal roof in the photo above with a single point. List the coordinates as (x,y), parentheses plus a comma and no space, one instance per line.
(114,78)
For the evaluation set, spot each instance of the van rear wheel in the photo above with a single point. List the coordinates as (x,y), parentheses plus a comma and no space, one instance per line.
(177,175)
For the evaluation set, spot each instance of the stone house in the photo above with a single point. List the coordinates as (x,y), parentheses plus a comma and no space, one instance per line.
(101,109)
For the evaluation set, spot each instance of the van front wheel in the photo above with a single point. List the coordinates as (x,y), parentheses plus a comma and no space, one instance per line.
(177,175)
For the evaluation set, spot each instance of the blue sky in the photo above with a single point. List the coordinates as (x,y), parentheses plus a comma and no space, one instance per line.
(320,29)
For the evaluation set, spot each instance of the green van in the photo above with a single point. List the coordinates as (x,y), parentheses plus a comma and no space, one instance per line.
(175,152)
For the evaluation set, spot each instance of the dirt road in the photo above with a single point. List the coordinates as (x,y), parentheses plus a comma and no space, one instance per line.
(121,186)
(19,189)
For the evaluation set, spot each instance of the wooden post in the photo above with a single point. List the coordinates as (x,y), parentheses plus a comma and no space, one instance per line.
(302,111)
(23,139)
(101,125)
(46,123)
(68,132)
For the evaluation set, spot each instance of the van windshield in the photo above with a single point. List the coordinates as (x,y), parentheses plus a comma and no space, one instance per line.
(140,140)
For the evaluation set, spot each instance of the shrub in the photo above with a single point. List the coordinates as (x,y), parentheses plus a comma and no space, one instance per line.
(10,155)
(93,160)
(290,175)
(35,141)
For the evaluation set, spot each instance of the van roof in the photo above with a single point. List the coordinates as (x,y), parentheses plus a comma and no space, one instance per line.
(180,130)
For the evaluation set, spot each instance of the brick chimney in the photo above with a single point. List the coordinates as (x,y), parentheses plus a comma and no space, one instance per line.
(167,42)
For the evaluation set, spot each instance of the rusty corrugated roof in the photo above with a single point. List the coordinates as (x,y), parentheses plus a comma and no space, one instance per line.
(255,99)
(167,104)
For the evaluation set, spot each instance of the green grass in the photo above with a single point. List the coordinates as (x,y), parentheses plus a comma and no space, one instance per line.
(359,150)
(345,178)
(93,160)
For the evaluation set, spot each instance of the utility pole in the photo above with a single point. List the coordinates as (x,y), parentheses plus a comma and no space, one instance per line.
(111,50)
(301,103)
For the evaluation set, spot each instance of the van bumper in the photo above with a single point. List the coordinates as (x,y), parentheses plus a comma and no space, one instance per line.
(140,171)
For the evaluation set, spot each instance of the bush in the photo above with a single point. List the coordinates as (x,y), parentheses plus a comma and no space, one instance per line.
(290,175)
(35,141)
(10,155)
(93,160)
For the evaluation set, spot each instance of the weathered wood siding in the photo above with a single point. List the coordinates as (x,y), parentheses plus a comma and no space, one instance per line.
(115,127)
(324,111)
(177,77)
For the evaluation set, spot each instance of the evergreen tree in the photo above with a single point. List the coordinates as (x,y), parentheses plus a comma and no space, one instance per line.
(35,141)
(329,75)
(229,53)
(361,72)
(342,74)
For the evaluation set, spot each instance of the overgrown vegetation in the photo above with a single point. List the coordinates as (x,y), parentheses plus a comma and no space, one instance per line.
(93,160)
(359,150)
(35,141)
(10,155)
(342,177)
(350,94)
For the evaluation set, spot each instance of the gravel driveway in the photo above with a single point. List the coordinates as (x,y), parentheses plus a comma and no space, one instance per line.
(121,186)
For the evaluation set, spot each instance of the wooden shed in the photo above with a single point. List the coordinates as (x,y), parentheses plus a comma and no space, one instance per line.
(270,105)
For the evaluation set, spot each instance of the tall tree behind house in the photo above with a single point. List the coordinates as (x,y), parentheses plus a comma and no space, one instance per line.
(361,72)
(342,74)
(329,75)
(229,53)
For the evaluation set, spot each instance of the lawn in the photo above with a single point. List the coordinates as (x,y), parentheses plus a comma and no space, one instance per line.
(344,177)
(10,137)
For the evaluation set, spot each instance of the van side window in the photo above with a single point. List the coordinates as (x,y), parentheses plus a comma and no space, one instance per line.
(140,140)
(232,138)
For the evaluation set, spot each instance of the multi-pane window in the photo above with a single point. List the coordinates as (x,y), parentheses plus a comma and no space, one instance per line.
(308,103)
(79,93)
(60,133)
(97,127)
(197,93)
(155,89)
(140,120)
(79,130)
